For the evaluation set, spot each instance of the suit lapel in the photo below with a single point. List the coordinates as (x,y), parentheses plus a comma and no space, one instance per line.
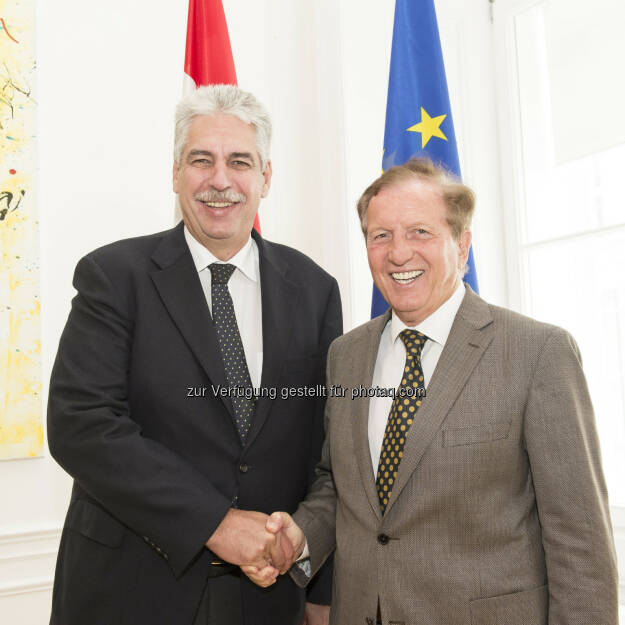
(179,287)
(470,335)
(366,351)
(278,299)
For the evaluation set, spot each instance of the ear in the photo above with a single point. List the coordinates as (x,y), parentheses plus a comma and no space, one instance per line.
(267,183)
(175,177)
(464,243)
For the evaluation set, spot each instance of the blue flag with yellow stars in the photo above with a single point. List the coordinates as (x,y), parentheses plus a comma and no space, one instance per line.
(418,114)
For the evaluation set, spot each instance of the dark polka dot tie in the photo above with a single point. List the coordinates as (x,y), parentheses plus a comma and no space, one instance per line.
(232,353)
(403,410)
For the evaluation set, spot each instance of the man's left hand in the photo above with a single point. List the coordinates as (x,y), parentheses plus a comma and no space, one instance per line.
(316,614)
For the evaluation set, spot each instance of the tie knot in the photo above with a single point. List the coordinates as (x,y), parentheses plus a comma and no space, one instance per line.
(221,272)
(413,340)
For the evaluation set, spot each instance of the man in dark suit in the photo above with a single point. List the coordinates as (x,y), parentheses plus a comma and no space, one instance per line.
(172,404)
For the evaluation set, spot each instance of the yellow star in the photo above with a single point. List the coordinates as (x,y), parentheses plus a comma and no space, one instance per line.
(428,127)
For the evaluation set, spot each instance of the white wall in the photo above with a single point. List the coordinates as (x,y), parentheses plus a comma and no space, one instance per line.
(109,75)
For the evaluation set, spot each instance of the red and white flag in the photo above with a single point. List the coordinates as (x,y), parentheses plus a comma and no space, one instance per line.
(208,55)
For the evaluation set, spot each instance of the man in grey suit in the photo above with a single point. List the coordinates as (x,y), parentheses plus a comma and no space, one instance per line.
(475,495)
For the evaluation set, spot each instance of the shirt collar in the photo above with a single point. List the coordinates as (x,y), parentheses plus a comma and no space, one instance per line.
(245,260)
(438,325)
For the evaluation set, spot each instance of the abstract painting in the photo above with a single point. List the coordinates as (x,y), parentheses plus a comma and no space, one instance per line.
(21,427)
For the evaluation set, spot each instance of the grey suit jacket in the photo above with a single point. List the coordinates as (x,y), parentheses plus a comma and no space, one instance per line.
(499,512)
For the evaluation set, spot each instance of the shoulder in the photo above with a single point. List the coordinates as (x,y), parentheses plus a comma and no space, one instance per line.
(523,337)
(504,322)
(299,267)
(294,258)
(514,324)
(130,261)
(512,321)
(365,333)
(134,251)
(120,270)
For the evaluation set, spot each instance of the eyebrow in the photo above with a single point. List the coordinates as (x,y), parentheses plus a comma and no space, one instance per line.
(247,155)
(198,153)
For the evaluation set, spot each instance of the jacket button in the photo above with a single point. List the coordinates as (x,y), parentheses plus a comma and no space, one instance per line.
(244,468)
(369,620)
(383,539)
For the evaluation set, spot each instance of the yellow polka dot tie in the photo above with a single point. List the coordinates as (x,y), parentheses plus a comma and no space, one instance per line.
(407,400)
(231,346)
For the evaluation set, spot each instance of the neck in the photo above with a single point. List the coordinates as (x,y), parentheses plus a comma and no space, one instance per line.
(223,253)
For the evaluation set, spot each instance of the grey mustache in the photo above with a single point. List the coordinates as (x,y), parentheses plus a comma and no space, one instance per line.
(220,196)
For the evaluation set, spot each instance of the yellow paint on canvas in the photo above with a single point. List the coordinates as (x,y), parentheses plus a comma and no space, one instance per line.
(21,427)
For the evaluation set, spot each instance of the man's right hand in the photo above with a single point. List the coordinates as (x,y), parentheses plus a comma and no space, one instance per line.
(280,524)
(283,524)
(242,538)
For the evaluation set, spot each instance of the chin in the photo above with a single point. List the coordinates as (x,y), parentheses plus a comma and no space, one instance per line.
(219,232)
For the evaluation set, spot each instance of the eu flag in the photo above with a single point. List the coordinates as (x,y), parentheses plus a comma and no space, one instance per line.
(418,114)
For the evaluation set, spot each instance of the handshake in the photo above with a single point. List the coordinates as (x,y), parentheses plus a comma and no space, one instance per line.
(263,546)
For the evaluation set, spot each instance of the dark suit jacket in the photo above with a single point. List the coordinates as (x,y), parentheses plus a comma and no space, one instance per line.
(155,470)
(498,514)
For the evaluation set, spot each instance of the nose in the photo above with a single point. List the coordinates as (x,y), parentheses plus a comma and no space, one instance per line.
(219,178)
(401,251)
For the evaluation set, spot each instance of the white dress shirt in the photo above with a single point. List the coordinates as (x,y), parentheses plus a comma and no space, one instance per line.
(391,359)
(244,287)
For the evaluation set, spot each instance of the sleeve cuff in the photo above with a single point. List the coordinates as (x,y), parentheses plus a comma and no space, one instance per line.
(305,553)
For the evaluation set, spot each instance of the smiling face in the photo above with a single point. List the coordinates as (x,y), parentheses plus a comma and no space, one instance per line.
(219,182)
(415,261)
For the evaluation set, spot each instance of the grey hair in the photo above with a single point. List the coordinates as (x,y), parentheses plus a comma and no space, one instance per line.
(228,99)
